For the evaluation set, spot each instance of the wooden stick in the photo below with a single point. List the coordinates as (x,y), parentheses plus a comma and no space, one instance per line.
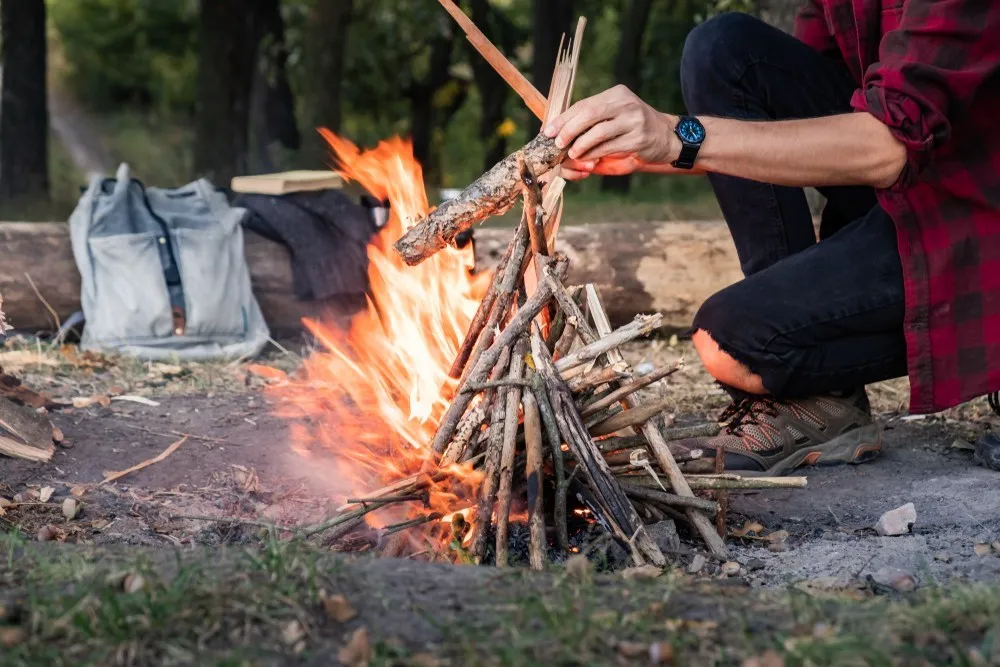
(518,244)
(671,499)
(534,476)
(563,483)
(640,326)
(491,475)
(513,400)
(112,476)
(518,325)
(404,525)
(626,418)
(493,193)
(658,446)
(533,210)
(510,276)
(617,510)
(721,496)
(624,456)
(630,388)
(708,483)
(508,72)
(473,420)
(597,377)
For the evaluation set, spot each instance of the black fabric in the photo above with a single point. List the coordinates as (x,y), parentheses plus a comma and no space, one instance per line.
(810,317)
(327,233)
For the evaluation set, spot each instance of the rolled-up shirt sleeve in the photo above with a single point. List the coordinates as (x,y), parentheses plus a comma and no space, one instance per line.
(929,70)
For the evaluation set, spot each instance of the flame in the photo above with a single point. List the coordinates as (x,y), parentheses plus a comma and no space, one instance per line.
(374,395)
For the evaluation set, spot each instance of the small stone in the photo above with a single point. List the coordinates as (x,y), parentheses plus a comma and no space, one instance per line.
(730,569)
(338,608)
(988,452)
(942,558)
(996,546)
(894,579)
(11,637)
(697,564)
(133,583)
(898,521)
(982,549)
(664,533)
(755,564)
(358,650)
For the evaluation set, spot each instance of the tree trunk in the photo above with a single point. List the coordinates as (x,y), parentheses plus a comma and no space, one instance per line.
(493,91)
(325,51)
(551,19)
(667,267)
(627,66)
(229,36)
(24,115)
(424,118)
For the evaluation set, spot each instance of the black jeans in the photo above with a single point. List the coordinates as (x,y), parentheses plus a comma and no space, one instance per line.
(810,317)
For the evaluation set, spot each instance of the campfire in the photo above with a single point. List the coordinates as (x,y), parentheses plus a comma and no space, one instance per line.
(459,403)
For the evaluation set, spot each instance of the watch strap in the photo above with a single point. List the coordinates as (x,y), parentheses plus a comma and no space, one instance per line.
(687,157)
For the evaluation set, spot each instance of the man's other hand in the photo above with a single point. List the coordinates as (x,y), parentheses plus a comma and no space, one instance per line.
(612,134)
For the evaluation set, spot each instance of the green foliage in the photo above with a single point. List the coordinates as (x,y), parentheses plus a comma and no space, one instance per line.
(128,52)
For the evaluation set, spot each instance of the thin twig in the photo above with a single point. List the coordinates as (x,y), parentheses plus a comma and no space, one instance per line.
(145,464)
(48,306)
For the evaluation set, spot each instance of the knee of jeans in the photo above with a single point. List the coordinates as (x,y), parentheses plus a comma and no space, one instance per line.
(709,61)
(719,317)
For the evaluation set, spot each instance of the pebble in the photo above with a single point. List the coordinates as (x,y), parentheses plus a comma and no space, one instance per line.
(755,564)
(894,579)
(730,569)
(664,533)
(898,521)
(988,452)
(697,563)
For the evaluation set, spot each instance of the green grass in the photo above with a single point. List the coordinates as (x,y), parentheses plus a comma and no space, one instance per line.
(67,606)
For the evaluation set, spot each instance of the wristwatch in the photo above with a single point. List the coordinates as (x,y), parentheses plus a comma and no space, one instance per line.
(691,133)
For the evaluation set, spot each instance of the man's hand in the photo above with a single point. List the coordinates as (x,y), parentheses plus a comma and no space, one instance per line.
(614,133)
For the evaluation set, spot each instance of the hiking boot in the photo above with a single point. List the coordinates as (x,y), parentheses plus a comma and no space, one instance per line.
(766,435)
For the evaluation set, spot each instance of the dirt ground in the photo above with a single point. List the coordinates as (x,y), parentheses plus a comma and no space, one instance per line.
(238,463)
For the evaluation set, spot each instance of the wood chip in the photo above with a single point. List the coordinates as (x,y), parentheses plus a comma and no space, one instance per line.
(358,650)
(338,608)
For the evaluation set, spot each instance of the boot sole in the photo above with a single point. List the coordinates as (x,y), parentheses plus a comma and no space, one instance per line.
(856,446)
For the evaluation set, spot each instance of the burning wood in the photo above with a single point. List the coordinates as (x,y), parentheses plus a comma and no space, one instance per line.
(535,408)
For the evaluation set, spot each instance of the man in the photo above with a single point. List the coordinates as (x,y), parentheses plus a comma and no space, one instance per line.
(892,110)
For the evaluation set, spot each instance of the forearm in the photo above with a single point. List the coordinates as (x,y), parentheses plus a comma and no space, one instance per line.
(846,149)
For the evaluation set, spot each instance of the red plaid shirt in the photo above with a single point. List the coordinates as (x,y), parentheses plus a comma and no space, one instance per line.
(930,70)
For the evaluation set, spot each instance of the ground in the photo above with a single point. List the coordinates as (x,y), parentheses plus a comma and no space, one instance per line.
(798,599)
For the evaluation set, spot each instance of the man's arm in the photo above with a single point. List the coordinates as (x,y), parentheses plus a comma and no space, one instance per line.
(847,149)
(616,132)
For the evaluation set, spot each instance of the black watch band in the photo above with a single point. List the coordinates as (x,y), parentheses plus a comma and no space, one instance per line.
(692,134)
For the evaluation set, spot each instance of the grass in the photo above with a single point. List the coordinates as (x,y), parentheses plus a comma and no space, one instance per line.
(69,606)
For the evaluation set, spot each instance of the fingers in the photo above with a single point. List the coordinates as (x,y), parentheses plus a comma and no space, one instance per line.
(612,146)
(573,174)
(601,133)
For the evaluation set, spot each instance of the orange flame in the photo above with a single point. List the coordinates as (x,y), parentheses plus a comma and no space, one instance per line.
(374,395)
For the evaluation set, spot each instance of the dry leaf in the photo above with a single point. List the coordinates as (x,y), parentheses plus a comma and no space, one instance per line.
(3,512)
(133,583)
(769,658)
(81,402)
(358,650)
(50,533)
(749,527)
(292,633)
(424,660)
(57,435)
(4,502)
(338,608)
(267,373)
(45,494)
(70,508)
(246,478)
(642,572)
(78,491)
(630,649)
(661,653)
(11,637)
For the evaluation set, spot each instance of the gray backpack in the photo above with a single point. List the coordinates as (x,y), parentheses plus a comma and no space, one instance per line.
(163,272)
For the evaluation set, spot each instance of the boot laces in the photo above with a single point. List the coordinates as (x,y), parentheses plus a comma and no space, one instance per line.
(747,411)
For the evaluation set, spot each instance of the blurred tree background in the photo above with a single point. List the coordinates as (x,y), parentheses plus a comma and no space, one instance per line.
(215,88)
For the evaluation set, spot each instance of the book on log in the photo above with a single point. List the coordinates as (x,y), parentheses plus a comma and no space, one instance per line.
(287,182)
(24,433)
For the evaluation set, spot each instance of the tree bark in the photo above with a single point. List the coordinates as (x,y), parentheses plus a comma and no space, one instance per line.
(551,19)
(667,267)
(325,53)
(229,36)
(24,115)
(627,66)
(272,110)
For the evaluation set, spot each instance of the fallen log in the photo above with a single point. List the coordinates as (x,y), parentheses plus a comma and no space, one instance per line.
(639,267)
(492,194)
(24,433)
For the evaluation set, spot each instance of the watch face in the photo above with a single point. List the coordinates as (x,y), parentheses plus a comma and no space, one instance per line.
(691,131)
